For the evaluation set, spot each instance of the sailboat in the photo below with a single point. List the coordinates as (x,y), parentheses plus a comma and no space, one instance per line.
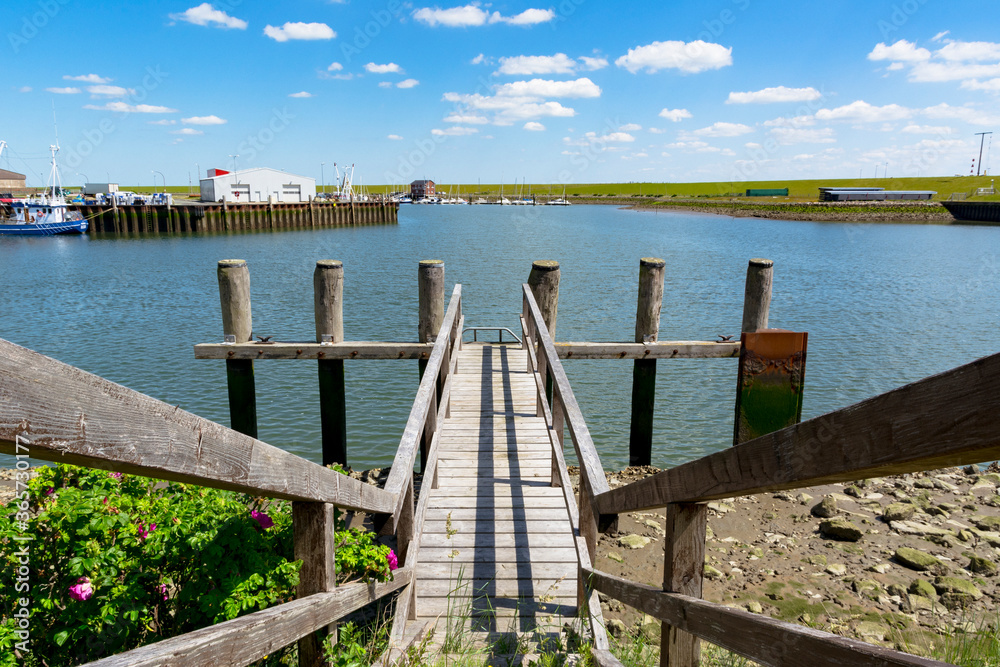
(45,215)
(562,201)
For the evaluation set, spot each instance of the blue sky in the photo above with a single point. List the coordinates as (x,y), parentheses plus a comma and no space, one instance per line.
(572,92)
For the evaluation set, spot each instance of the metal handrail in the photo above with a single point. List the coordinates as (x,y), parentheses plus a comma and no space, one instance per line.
(475,331)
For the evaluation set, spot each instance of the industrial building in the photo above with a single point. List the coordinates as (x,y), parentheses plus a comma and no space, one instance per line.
(11,180)
(421,189)
(872,194)
(259,184)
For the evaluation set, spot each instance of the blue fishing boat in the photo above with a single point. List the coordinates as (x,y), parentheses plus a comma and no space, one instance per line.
(45,215)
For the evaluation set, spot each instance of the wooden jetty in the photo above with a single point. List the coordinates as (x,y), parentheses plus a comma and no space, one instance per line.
(495,539)
(189,218)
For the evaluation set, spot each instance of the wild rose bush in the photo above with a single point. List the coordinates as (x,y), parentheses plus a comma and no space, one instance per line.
(118,561)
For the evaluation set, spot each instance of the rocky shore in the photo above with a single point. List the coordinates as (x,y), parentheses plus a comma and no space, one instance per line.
(861,212)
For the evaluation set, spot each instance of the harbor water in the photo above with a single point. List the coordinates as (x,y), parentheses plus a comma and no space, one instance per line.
(884,305)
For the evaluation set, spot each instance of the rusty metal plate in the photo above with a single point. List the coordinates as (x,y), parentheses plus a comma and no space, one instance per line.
(769,390)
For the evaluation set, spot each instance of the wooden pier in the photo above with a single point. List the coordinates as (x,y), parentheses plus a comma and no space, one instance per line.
(495,540)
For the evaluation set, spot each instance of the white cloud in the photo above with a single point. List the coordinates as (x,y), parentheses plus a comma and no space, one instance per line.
(388,68)
(941,35)
(630,127)
(560,63)
(87,78)
(334,67)
(582,87)
(204,120)
(775,94)
(939,72)
(301,94)
(122,107)
(207,15)
(456,131)
(408,83)
(64,91)
(901,51)
(793,135)
(990,86)
(534,126)
(592,64)
(188,131)
(394,137)
(723,129)
(456,17)
(478,60)
(385,84)
(109,91)
(690,57)
(895,66)
(299,31)
(927,129)
(161,122)
(861,111)
(965,51)
(466,119)
(967,114)
(508,110)
(675,115)
(795,121)
(24,89)
(527,17)
(657,130)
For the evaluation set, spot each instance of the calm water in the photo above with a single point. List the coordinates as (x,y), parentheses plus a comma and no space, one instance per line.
(883,304)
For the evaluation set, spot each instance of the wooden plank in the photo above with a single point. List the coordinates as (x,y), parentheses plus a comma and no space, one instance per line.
(754,636)
(497,607)
(313,530)
(683,568)
(499,491)
(520,570)
(497,555)
(249,638)
(67,415)
(498,502)
(942,421)
(533,588)
(495,540)
(667,349)
(496,514)
(311,350)
(521,526)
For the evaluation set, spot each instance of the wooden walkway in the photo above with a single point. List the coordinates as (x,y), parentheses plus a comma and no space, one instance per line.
(497,545)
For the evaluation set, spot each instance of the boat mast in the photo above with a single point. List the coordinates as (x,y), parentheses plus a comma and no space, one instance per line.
(54,180)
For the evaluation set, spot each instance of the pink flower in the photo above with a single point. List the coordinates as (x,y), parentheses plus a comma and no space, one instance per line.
(81,590)
(116,475)
(49,491)
(263,519)
(162,588)
(393,561)
(144,532)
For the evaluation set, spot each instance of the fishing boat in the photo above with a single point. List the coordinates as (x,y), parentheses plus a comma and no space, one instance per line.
(45,215)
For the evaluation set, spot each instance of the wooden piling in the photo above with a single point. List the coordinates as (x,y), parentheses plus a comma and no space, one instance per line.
(314,544)
(430,285)
(234,295)
(647,329)
(757,296)
(544,283)
(328,288)
(683,568)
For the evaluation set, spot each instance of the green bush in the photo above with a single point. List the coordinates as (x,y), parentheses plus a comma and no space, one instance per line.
(118,561)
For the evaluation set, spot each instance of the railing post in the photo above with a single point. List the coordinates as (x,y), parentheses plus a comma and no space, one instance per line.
(314,545)
(234,295)
(430,284)
(757,296)
(328,298)
(647,330)
(683,570)
(558,426)
(588,531)
(544,283)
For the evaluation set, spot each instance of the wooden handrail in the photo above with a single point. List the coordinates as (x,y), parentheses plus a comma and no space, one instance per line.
(948,419)
(759,638)
(664,349)
(586,452)
(249,638)
(402,465)
(64,414)
(312,350)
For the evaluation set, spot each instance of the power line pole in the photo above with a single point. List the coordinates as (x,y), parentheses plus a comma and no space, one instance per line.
(982,138)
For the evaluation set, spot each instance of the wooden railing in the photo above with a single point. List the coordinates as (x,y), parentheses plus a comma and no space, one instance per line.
(946,420)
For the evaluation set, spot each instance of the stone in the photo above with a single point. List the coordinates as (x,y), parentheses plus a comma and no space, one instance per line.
(854,492)
(650,628)
(655,525)
(956,593)
(803,498)
(937,511)
(817,559)
(784,495)
(868,588)
(880,568)
(870,630)
(897,591)
(965,535)
(836,569)
(633,541)
(915,560)
(616,627)
(755,607)
(991,523)
(924,483)
(971,469)
(983,566)
(898,511)
(826,508)
(946,541)
(840,529)
(721,508)
(923,588)
(918,528)
(617,557)
(712,573)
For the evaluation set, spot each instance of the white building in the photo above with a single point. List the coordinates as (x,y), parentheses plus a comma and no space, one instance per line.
(256,185)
